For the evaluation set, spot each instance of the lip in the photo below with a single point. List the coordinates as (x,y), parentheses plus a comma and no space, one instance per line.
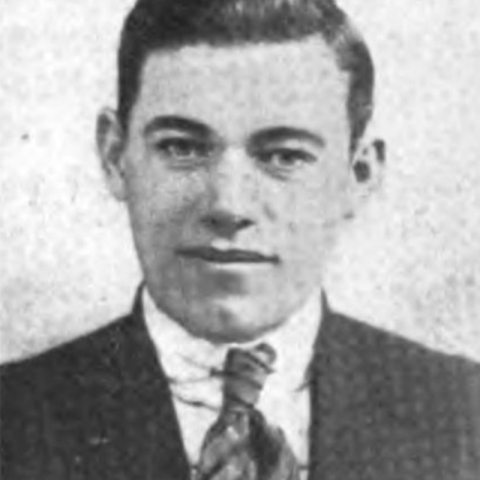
(214,255)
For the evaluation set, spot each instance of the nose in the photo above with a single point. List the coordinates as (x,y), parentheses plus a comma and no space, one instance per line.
(232,188)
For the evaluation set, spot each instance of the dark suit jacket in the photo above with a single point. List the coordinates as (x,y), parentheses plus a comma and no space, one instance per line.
(99,408)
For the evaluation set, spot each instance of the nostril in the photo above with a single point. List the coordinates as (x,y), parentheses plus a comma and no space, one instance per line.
(244,223)
(226,223)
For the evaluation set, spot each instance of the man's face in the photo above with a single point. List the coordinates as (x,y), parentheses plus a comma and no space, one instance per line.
(236,174)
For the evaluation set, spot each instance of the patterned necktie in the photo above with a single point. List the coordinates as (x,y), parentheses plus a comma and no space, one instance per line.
(240,445)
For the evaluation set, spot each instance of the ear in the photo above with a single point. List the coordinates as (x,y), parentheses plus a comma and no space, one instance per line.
(110,145)
(368,165)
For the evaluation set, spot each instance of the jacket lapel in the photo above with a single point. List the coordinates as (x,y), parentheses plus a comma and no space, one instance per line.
(330,389)
(143,420)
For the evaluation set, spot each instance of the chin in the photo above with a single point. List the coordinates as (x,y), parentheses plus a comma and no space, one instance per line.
(234,320)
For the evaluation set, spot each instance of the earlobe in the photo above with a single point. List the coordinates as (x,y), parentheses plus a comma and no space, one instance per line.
(110,146)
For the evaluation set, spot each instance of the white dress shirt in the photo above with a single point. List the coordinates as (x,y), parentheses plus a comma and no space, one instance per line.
(197,396)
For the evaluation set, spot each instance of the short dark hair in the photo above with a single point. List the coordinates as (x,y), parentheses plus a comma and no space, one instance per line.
(170,24)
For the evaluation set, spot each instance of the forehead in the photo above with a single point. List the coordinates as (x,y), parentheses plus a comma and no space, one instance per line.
(245,87)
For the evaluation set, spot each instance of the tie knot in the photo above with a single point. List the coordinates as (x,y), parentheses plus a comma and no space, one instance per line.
(245,374)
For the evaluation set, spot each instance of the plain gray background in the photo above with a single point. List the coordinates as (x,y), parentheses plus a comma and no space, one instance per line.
(410,264)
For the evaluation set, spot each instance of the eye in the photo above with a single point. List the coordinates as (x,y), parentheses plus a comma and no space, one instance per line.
(181,149)
(285,159)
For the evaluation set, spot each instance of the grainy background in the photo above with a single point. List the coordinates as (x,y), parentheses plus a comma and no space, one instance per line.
(410,264)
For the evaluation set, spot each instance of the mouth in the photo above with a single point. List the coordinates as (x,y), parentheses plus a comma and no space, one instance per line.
(214,255)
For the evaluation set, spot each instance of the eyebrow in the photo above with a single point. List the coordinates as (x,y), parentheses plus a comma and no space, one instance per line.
(267,135)
(282,133)
(174,122)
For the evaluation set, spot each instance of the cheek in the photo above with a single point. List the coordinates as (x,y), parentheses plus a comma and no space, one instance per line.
(160,200)
(311,214)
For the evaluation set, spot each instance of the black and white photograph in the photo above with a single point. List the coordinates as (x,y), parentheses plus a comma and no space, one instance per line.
(240,240)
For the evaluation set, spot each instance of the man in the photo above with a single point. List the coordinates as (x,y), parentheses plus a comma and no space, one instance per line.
(239,150)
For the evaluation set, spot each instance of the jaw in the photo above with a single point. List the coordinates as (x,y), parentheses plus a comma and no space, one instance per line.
(233,319)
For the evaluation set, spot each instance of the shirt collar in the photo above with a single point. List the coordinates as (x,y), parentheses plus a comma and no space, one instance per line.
(189,359)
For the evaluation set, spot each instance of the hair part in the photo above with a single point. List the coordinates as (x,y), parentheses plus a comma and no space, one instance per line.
(170,24)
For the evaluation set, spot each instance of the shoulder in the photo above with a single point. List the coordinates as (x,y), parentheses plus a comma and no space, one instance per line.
(409,383)
(413,406)
(64,368)
(380,349)
(397,374)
